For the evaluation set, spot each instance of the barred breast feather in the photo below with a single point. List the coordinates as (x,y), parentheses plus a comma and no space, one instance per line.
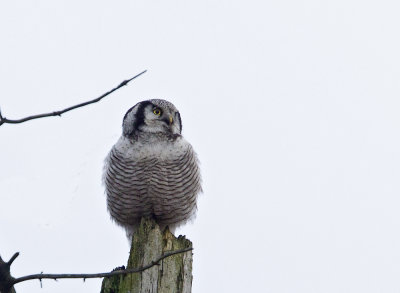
(159,178)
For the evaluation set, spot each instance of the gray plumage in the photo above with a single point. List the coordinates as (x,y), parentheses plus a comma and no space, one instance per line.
(152,170)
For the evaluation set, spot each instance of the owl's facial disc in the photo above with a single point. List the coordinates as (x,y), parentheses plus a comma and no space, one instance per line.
(152,116)
(157,119)
(160,113)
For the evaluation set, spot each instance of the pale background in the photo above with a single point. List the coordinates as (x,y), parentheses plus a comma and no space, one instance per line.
(292,106)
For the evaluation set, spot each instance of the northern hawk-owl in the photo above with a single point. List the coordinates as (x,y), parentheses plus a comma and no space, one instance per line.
(152,171)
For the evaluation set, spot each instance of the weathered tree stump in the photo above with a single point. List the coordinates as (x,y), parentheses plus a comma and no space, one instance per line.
(172,275)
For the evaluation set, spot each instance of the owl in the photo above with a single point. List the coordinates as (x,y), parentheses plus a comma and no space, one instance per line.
(152,171)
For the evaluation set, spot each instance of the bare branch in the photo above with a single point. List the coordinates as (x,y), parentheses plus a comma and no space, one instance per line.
(1,118)
(99,275)
(6,280)
(12,259)
(4,120)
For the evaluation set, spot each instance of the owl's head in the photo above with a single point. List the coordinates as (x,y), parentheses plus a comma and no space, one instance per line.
(152,116)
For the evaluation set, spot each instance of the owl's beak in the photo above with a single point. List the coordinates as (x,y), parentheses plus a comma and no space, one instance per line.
(171,120)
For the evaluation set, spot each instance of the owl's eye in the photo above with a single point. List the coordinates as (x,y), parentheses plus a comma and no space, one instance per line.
(157,111)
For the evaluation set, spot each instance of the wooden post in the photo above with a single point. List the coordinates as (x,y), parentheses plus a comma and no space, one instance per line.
(172,275)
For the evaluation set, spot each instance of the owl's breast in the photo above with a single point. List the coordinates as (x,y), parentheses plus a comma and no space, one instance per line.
(162,180)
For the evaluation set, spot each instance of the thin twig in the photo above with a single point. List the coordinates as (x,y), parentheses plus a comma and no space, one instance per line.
(4,120)
(99,275)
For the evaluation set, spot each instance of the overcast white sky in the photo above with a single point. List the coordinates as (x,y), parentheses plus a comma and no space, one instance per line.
(292,106)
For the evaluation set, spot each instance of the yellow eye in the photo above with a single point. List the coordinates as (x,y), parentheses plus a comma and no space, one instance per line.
(157,112)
